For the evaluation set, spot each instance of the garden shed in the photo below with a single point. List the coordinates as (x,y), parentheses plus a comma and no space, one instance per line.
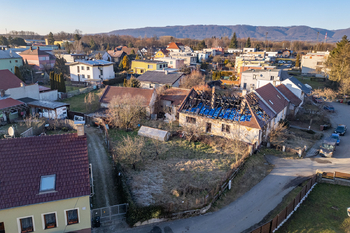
(158,134)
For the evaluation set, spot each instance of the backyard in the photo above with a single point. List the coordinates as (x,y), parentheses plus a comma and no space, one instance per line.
(323,211)
(77,103)
(177,174)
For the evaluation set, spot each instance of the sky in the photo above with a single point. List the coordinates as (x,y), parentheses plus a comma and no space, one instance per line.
(98,16)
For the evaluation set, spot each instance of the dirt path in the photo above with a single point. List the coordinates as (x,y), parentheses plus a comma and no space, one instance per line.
(102,167)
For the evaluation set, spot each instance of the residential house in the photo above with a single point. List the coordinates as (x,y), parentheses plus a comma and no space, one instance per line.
(154,79)
(175,47)
(59,43)
(232,50)
(174,63)
(249,50)
(127,50)
(275,100)
(171,99)
(250,61)
(201,56)
(114,56)
(313,64)
(150,96)
(161,53)
(252,79)
(38,58)
(93,72)
(297,87)
(141,66)
(189,58)
(73,57)
(45,184)
(294,101)
(246,118)
(10,109)
(9,60)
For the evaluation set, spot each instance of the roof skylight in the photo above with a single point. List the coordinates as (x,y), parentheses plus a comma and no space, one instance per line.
(48,183)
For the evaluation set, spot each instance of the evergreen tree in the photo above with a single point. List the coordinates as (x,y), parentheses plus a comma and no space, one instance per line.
(130,45)
(92,44)
(137,57)
(18,73)
(121,65)
(248,44)
(297,62)
(234,42)
(77,37)
(126,63)
(133,52)
(257,47)
(62,83)
(201,45)
(52,80)
(50,39)
(3,41)
(107,47)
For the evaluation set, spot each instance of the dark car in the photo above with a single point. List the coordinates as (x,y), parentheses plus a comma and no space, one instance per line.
(329,108)
(341,130)
(317,99)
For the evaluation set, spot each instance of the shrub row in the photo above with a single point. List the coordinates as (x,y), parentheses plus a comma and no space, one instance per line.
(117,80)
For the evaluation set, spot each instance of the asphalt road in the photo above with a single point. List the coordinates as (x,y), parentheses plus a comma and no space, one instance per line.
(252,207)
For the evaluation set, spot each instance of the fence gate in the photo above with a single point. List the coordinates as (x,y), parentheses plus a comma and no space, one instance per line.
(107,213)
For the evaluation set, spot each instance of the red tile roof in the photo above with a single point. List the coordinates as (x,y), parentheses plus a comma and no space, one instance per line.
(34,52)
(116,54)
(272,97)
(290,95)
(9,102)
(25,160)
(175,95)
(174,45)
(9,80)
(113,91)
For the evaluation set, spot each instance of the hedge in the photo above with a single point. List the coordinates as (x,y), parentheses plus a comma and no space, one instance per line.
(117,80)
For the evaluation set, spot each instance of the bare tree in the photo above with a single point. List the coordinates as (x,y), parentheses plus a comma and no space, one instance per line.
(126,111)
(344,88)
(193,131)
(129,150)
(327,93)
(90,100)
(194,79)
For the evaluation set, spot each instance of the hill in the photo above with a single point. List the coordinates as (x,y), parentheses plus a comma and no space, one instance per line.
(303,33)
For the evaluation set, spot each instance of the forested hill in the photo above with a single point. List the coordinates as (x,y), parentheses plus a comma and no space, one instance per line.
(303,33)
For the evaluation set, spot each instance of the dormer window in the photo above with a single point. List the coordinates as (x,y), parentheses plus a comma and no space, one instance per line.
(48,183)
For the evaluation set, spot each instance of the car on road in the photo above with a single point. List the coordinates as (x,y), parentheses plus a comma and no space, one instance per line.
(327,147)
(329,108)
(336,137)
(317,99)
(341,130)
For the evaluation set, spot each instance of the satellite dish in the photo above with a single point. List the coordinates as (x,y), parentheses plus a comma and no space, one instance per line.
(11,131)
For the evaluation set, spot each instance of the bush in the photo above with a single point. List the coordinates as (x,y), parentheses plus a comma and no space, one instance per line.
(117,80)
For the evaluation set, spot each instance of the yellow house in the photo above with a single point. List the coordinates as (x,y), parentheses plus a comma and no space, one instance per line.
(45,184)
(161,53)
(141,66)
(58,42)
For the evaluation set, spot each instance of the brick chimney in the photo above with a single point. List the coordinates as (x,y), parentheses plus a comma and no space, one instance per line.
(213,97)
(80,128)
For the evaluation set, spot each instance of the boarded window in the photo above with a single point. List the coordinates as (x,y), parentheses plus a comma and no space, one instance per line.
(191,120)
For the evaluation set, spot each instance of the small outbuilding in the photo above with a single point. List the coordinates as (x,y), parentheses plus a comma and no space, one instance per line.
(158,134)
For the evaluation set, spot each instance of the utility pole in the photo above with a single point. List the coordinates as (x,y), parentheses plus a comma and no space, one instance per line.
(318,33)
(266,40)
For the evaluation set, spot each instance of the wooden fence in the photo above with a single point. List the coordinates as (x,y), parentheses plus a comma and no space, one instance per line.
(283,216)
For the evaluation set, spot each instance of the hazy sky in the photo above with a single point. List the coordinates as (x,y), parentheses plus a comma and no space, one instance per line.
(103,16)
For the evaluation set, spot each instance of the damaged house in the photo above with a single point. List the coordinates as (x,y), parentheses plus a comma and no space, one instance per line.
(249,118)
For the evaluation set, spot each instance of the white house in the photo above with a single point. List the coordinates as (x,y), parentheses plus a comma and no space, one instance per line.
(249,50)
(91,71)
(175,63)
(252,79)
(298,88)
(313,64)
(232,50)
(201,55)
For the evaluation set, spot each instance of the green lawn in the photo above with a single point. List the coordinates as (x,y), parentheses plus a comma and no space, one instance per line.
(324,211)
(77,103)
(314,84)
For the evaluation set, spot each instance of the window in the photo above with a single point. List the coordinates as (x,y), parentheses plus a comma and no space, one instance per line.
(82,68)
(254,76)
(88,76)
(225,128)
(50,221)
(244,85)
(150,66)
(319,63)
(141,71)
(2,227)
(171,62)
(101,72)
(82,76)
(48,183)
(26,224)
(208,128)
(78,70)
(87,68)
(10,61)
(16,61)
(72,217)
(78,78)
(272,78)
(191,120)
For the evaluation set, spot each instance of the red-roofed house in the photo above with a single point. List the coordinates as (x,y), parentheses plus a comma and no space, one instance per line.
(45,184)
(175,47)
(38,58)
(111,92)
(294,101)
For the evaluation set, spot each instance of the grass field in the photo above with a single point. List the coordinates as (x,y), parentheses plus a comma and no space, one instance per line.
(77,103)
(323,211)
(314,84)
(177,171)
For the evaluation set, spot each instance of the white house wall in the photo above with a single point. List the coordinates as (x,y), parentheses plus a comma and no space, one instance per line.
(30,91)
(94,72)
(49,95)
(295,89)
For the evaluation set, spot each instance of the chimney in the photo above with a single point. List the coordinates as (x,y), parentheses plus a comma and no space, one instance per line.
(244,92)
(165,72)
(2,93)
(31,48)
(213,97)
(80,127)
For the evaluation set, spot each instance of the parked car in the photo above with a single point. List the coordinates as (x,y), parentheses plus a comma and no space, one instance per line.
(341,130)
(336,137)
(329,108)
(327,147)
(317,99)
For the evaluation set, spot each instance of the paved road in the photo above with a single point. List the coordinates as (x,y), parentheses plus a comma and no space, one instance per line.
(252,207)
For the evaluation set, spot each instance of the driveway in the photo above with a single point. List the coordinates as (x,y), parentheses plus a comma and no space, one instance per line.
(102,168)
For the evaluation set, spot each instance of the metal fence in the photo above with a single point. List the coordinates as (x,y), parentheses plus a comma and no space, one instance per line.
(106,213)
(283,216)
